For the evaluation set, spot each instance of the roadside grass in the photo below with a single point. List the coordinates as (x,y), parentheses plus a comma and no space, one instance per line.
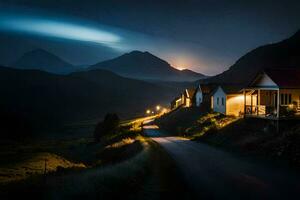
(193,122)
(35,165)
(178,121)
(148,173)
(208,123)
(20,160)
(124,165)
(258,137)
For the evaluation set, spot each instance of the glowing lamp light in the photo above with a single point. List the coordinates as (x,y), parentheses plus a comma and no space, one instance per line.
(157,107)
(148,111)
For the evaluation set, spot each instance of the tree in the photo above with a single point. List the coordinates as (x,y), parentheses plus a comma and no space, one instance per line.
(108,126)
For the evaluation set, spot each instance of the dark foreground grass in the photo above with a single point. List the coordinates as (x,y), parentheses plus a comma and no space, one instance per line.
(148,173)
(258,137)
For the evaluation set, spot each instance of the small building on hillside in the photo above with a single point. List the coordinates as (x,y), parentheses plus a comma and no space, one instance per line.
(188,96)
(228,100)
(176,103)
(202,94)
(273,94)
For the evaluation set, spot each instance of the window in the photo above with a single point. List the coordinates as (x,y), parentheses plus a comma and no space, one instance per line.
(217,100)
(222,101)
(285,99)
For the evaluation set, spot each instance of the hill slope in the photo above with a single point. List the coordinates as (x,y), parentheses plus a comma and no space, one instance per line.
(49,100)
(144,65)
(285,54)
(43,60)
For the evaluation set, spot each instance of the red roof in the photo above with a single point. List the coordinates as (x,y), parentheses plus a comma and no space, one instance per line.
(285,78)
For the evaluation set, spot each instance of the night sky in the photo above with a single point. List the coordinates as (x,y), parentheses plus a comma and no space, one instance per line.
(206,36)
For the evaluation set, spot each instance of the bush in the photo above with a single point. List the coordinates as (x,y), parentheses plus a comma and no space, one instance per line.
(108,126)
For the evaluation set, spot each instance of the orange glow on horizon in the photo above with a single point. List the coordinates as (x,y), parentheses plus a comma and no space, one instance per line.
(180,68)
(182,62)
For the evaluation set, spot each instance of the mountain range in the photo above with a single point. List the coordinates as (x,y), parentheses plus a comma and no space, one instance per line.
(136,64)
(284,54)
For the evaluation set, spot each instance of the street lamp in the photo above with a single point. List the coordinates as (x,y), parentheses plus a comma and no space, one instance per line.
(157,107)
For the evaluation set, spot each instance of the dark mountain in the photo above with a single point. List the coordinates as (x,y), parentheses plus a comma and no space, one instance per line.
(50,100)
(43,60)
(284,54)
(145,66)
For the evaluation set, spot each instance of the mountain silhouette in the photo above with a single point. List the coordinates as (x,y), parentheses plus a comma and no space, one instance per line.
(146,66)
(284,54)
(41,59)
(51,100)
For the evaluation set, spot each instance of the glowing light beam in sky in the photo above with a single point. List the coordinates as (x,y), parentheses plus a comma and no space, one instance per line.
(58,29)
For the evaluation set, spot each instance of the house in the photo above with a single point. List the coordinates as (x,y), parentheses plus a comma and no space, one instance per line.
(228,100)
(176,102)
(202,94)
(187,97)
(273,94)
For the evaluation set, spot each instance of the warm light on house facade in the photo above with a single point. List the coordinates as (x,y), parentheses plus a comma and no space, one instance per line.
(273,94)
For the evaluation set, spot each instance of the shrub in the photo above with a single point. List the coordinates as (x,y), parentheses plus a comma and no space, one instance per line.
(108,126)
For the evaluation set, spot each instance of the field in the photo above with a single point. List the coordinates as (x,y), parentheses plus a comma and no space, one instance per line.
(125,161)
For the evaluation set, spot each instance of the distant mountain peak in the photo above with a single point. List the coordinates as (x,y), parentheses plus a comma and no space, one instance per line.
(42,59)
(146,66)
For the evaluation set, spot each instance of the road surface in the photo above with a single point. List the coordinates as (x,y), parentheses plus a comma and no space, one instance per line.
(215,174)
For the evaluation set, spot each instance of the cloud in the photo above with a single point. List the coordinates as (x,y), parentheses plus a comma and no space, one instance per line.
(48,27)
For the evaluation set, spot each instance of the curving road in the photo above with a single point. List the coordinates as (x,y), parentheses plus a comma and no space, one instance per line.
(215,174)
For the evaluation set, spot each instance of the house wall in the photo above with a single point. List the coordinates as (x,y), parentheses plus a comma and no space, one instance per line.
(199,98)
(295,95)
(235,105)
(183,100)
(188,102)
(217,104)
